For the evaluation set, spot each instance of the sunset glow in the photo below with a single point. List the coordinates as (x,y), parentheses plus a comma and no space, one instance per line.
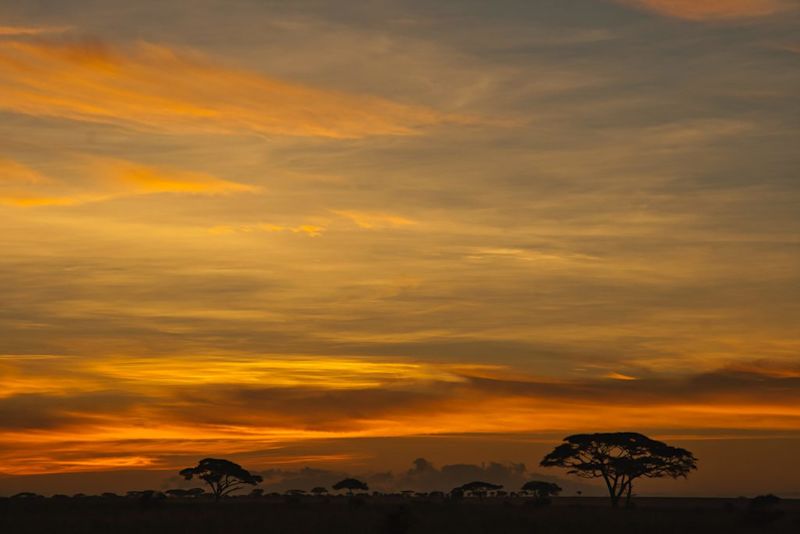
(311,236)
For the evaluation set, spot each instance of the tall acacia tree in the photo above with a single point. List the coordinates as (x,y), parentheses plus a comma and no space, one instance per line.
(619,458)
(222,476)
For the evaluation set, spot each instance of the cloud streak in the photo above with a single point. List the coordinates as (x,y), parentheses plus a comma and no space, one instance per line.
(17,31)
(148,407)
(100,179)
(156,88)
(710,10)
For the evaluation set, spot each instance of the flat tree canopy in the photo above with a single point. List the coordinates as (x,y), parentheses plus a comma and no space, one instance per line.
(351,484)
(541,489)
(619,458)
(477,487)
(222,476)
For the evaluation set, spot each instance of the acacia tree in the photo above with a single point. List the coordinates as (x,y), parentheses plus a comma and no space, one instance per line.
(542,490)
(619,458)
(222,476)
(478,488)
(350,484)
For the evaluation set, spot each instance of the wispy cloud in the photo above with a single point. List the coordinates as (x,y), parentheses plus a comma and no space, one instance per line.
(706,10)
(375,220)
(154,87)
(14,172)
(17,31)
(310,230)
(104,179)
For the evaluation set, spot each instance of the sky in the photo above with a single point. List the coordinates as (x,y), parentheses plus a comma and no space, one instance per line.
(325,238)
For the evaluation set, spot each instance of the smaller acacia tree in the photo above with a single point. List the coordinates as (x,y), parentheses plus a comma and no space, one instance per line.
(350,484)
(478,488)
(542,490)
(222,476)
(619,458)
(319,490)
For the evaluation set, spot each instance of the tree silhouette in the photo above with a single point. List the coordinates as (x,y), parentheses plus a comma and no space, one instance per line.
(478,488)
(619,458)
(541,490)
(350,484)
(318,490)
(222,476)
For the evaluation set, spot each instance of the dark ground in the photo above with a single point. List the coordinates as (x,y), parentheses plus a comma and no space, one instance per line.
(391,515)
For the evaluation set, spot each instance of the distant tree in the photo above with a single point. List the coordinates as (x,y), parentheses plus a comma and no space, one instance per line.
(319,490)
(542,490)
(763,510)
(619,458)
(192,493)
(478,488)
(222,476)
(350,484)
(27,495)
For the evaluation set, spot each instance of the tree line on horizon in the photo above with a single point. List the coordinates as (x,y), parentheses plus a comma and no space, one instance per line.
(618,458)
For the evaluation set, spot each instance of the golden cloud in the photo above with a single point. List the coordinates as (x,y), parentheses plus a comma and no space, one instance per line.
(374,220)
(106,179)
(154,87)
(310,230)
(701,10)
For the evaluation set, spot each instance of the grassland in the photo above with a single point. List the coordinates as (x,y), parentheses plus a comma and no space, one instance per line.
(390,515)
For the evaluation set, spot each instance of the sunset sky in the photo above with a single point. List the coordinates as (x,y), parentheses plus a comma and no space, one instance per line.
(345,235)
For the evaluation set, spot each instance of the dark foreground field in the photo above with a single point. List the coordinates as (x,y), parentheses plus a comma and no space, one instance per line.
(390,515)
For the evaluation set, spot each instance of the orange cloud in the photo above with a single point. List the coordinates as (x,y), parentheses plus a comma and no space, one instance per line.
(12,172)
(619,376)
(135,178)
(68,414)
(154,87)
(15,31)
(701,10)
(107,179)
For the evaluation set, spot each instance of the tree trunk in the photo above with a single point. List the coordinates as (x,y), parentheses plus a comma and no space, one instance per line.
(612,492)
(628,494)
